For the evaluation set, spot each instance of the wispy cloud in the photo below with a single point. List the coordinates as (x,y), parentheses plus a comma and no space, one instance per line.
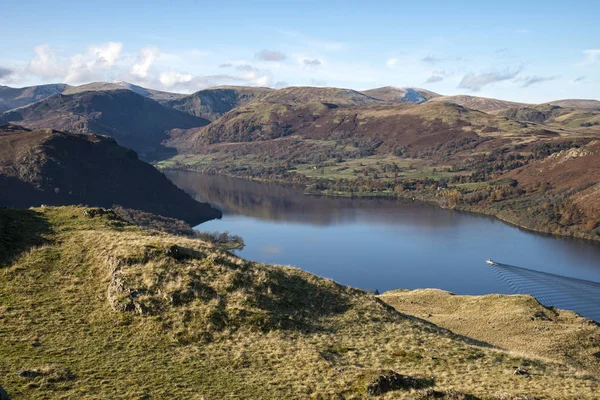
(269,55)
(436,60)
(280,84)
(45,63)
(144,60)
(579,79)
(434,78)
(532,80)
(311,62)
(244,67)
(475,82)
(591,57)
(226,65)
(85,67)
(5,72)
(391,62)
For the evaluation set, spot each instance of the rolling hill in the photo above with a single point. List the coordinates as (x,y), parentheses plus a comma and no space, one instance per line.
(212,103)
(18,97)
(116,85)
(86,296)
(58,168)
(478,103)
(134,121)
(577,103)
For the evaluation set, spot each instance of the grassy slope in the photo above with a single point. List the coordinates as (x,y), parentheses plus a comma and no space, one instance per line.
(101,310)
(532,328)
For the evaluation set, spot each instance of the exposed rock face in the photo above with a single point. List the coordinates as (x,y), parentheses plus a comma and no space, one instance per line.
(56,168)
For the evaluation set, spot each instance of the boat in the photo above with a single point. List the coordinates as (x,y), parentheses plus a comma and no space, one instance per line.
(490,262)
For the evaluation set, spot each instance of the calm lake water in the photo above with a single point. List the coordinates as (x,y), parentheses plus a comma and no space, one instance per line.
(385,244)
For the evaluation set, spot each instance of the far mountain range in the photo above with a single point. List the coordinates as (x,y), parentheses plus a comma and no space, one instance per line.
(532,164)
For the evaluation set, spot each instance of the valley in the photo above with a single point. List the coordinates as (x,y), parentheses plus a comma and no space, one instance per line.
(347,173)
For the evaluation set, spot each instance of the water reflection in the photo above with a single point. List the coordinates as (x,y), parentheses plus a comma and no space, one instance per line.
(380,243)
(278,203)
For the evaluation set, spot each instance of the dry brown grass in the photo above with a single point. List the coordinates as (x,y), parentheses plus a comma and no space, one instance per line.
(129,317)
(518,323)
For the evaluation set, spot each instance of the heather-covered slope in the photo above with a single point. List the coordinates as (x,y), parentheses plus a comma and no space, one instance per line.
(134,121)
(51,167)
(477,103)
(95,308)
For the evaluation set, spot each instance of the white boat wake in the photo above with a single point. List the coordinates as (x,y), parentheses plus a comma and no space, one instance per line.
(579,295)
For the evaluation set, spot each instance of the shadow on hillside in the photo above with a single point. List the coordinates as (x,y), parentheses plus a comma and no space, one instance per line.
(294,302)
(20,230)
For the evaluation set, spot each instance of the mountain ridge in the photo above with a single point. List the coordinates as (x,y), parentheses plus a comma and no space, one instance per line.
(58,168)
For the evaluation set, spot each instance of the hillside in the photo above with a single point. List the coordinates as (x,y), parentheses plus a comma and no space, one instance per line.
(88,298)
(56,168)
(134,121)
(18,97)
(116,85)
(212,103)
(395,94)
(517,323)
(577,103)
(346,130)
(477,103)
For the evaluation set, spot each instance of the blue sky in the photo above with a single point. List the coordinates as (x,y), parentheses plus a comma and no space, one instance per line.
(531,51)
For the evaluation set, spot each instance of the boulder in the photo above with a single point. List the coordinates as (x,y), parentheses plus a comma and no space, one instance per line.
(391,380)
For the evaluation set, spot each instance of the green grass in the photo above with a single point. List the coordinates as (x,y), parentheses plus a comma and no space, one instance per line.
(103,309)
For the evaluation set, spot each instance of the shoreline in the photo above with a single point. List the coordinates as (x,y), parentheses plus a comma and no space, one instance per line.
(418,197)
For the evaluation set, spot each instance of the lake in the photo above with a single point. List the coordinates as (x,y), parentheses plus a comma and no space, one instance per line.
(387,244)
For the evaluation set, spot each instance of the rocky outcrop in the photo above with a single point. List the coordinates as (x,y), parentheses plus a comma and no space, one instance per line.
(391,380)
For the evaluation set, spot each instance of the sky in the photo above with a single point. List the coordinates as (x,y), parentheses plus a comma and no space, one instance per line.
(529,51)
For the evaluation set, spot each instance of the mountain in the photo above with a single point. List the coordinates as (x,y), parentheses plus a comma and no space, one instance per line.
(577,103)
(133,120)
(18,97)
(478,103)
(294,95)
(116,85)
(87,297)
(54,168)
(401,94)
(571,176)
(213,102)
(348,125)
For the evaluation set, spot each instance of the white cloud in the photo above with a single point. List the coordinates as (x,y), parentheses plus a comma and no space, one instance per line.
(171,78)
(90,66)
(5,72)
(314,62)
(434,79)
(44,63)
(144,60)
(532,80)
(269,55)
(591,57)
(475,82)
(391,62)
